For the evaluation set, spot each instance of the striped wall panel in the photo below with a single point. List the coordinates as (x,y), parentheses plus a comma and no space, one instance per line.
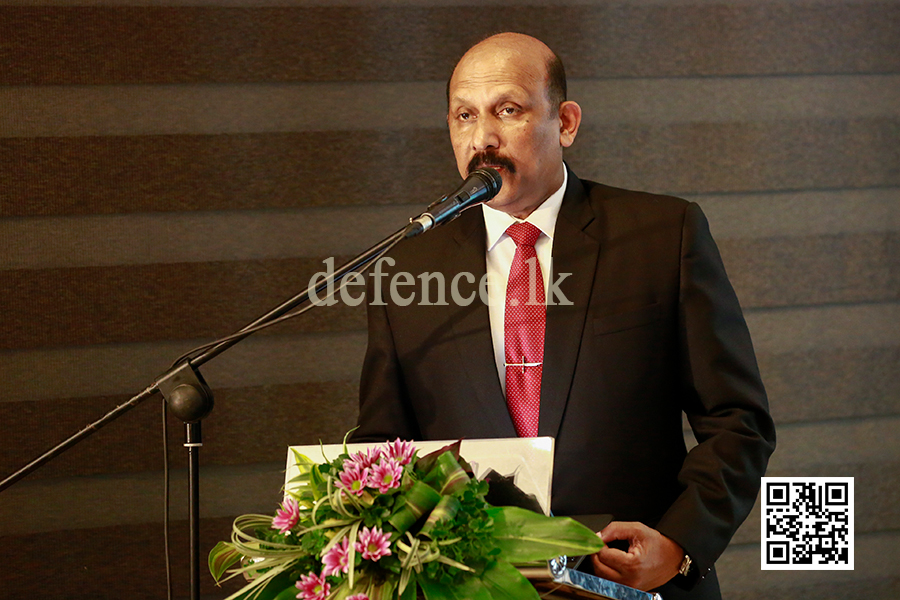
(73,307)
(97,175)
(747,582)
(126,44)
(94,569)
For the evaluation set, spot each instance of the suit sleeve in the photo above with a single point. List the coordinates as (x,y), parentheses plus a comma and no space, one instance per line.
(724,400)
(384,409)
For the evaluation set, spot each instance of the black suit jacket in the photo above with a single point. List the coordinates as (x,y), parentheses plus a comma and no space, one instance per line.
(654,329)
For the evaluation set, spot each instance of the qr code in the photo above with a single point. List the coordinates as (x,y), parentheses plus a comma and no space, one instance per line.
(807,523)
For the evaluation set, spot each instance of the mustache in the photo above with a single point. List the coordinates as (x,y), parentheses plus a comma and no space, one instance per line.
(488,158)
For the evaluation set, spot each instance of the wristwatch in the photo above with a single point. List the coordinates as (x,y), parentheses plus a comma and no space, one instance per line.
(686,564)
(689,574)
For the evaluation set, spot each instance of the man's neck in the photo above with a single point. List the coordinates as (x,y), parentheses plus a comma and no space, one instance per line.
(544,216)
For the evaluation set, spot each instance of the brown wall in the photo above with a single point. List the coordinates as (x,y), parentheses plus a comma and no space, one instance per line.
(167,173)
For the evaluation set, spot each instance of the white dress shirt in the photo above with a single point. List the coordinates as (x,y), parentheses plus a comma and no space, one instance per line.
(500,252)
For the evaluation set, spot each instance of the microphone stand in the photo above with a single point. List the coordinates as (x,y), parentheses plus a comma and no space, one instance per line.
(191,400)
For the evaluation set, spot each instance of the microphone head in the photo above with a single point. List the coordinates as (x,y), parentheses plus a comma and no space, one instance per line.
(480,186)
(492,182)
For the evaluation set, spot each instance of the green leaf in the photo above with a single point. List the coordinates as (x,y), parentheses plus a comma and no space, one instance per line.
(288,593)
(300,487)
(504,582)
(271,590)
(301,459)
(351,553)
(445,510)
(317,481)
(221,557)
(418,501)
(525,536)
(471,588)
(447,476)
(346,437)
(411,589)
(425,464)
(384,591)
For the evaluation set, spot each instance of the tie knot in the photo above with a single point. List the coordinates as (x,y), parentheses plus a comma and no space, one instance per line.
(523,234)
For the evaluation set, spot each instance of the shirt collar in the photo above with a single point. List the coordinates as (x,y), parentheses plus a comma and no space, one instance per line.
(496,222)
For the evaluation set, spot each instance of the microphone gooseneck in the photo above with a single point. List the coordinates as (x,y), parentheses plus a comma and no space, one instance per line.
(480,186)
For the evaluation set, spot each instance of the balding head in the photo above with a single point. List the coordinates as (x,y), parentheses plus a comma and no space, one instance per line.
(526,48)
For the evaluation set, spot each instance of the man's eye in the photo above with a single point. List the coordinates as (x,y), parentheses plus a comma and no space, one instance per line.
(463,116)
(508,110)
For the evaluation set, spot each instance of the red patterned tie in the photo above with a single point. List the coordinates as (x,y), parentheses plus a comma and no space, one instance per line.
(526,316)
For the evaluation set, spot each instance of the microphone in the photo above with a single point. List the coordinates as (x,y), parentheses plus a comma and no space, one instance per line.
(480,186)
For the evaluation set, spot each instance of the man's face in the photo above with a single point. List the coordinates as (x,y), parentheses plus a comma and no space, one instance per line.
(500,116)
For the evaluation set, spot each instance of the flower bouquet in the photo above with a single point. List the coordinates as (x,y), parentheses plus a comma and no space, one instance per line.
(388,524)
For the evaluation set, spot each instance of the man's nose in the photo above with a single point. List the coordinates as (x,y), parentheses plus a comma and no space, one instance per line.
(486,135)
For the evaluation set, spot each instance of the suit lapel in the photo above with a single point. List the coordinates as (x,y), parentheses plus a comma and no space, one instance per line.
(472,330)
(575,252)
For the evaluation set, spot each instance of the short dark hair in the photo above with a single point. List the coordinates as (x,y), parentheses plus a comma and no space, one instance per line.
(557,91)
(556,81)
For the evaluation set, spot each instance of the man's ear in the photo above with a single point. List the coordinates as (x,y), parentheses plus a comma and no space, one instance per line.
(569,122)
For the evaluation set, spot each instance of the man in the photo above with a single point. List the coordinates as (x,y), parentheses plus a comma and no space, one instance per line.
(640,325)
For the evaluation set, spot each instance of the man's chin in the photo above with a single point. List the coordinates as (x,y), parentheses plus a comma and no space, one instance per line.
(500,202)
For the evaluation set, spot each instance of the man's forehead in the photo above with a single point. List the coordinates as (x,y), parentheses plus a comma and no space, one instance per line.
(493,91)
(497,75)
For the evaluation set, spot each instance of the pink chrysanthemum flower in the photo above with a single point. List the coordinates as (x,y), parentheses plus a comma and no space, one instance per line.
(313,587)
(335,560)
(364,459)
(354,478)
(358,597)
(399,450)
(386,475)
(287,516)
(373,543)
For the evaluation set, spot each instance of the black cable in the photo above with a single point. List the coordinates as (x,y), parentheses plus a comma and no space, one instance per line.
(199,349)
(190,354)
(165,428)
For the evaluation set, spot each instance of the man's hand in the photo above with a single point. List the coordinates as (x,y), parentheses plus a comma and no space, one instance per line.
(652,558)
